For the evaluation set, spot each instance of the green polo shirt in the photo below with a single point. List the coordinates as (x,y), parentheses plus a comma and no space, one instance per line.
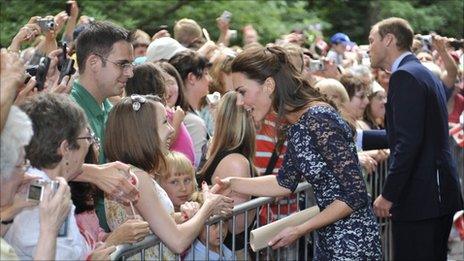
(97,114)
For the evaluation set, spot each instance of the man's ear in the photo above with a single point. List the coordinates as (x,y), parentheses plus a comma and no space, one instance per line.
(390,39)
(93,62)
(269,85)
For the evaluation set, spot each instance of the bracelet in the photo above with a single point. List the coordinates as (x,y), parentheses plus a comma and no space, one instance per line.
(7,222)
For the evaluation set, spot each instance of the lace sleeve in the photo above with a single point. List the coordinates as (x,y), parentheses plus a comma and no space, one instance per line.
(288,177)
(337,149)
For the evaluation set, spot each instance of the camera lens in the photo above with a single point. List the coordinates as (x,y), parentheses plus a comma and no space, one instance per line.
(51,24)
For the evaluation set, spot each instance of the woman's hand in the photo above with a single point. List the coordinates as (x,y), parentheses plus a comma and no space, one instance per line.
(188,210)
(217,204)
(19,202)
(285,238)
(222,186)
(111,181)
(54,207)
(131,231)
(27,33)
(27,91)
(102,252)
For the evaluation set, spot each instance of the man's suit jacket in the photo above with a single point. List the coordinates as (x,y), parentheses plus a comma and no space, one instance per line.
(422,181)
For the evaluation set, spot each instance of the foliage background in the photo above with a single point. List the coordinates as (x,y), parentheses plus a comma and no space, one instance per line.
(270,18)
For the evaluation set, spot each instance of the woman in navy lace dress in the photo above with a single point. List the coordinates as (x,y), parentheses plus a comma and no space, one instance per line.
(320,149)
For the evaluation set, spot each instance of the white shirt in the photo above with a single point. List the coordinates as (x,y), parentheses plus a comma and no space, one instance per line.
(398,60)
(198,252)
(197,129)
(24,233)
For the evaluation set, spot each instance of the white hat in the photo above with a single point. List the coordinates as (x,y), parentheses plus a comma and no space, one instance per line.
(376,87)
(163,48)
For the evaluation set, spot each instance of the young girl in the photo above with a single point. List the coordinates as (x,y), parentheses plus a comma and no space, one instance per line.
(179,179)
(217,234)
(136,133)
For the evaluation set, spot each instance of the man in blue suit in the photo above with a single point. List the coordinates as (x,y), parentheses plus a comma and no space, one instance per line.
(421,192)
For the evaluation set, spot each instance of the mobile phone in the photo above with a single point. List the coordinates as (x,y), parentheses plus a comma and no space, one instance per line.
(68,8)
(316,65)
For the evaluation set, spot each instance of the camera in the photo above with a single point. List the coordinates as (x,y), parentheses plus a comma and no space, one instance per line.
(226,16)
(457,44)
(316,65)
(65,65)
(46,24)
(36,192)
(41,74)
(37,188)
(39,71)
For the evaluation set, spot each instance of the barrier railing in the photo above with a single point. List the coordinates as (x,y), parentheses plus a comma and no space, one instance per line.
(305,199)
(136,251)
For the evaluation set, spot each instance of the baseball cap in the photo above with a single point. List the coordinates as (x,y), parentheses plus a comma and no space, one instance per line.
(340,38)
(163,48)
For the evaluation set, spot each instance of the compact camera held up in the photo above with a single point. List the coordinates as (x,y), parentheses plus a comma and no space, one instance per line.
(37,188)
(46,24)
(36,193)
(316,65)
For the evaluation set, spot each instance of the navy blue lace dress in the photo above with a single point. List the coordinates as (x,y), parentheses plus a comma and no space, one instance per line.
(320,147)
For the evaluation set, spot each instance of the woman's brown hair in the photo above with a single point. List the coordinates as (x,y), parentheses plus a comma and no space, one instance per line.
(148,79)
(292,92)
(131,134)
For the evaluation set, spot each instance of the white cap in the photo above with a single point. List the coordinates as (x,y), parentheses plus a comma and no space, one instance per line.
(163,48)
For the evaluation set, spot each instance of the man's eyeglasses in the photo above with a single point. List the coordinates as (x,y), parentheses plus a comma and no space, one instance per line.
(125,66)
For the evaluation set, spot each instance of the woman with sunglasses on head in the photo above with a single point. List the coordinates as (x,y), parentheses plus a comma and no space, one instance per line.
(136,133)
(320,148)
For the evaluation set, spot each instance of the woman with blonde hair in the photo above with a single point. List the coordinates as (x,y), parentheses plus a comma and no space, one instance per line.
(231,155)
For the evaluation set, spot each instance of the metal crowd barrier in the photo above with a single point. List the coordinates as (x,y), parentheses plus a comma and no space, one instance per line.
(136,251)
(305,198)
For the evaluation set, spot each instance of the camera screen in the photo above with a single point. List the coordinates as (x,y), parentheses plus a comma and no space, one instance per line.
(34,192)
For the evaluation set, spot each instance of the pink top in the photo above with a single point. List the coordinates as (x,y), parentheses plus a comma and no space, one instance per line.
(88,225)
(183,143)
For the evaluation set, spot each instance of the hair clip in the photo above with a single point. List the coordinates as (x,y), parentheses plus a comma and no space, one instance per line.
(137,101)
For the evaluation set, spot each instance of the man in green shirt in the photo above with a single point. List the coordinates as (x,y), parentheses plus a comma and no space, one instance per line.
(104,57)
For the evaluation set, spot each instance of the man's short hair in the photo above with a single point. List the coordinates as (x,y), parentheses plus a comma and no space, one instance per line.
(98,38)
(186,31)
(400,28)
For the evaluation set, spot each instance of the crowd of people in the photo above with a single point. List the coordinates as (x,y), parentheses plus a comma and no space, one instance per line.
(109,135)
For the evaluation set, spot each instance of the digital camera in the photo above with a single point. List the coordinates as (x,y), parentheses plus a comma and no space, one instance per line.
(37,188)
(46,24)
(316,65)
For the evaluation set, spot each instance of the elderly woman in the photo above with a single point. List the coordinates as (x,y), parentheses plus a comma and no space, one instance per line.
(53,209)
(57,150)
